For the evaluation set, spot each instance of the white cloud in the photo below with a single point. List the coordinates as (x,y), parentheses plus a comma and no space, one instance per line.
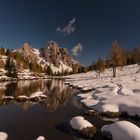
(68,29)
(77,49)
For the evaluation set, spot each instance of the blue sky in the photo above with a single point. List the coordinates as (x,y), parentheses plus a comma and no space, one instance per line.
(90,24)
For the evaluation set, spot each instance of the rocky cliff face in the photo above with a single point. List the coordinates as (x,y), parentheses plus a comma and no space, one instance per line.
(55,55)
(27,52)
(57,58)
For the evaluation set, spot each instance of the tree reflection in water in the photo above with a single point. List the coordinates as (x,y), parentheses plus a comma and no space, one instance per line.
(57,93)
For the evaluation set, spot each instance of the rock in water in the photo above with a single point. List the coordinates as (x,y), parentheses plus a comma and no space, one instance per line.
(3,136)
(83,127)
(121,130)
(43,96)
(34,97)
(22,98)
(8,98)
(41,138)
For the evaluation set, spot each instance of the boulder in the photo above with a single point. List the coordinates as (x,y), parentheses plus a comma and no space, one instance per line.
(41,138)
(8,98)
(83,127)
(22,98)
(35,97)
(121,130)
(3,136)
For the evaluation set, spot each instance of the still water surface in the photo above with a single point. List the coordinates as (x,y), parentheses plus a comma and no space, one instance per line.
(50,118)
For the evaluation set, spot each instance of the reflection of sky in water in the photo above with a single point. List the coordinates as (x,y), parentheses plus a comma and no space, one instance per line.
(56,91)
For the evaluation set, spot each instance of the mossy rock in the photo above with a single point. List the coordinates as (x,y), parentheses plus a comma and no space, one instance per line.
(91,112)
(88,132)
(112,114)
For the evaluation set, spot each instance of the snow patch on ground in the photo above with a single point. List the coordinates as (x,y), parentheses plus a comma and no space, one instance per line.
(120,94)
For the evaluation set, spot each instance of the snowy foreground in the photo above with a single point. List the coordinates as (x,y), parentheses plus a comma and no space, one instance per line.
(122,130)
(106,94)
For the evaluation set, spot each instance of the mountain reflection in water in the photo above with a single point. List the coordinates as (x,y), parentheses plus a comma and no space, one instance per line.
(57,93)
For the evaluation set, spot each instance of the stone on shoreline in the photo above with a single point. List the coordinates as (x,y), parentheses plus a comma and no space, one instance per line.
(41,138)
(121,130)
(83,127)
(22,98)
(8,98)
(3,136)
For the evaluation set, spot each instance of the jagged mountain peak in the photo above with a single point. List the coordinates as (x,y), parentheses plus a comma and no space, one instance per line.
(55,54)
(26,46)
(58,58)
(53,46)
(52,43)
(27,52)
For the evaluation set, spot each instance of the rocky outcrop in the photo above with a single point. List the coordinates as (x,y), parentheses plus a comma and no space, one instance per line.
(121,130)
(83,127)
(27,52)
(50,55)
(53,54)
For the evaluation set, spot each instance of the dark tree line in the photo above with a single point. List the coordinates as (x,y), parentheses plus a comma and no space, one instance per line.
(133,56)
(117,57)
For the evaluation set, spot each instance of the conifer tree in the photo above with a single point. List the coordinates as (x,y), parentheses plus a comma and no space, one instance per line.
(2,51)
(14,71)
(8,53)
(7,65)
(10,68)
(30,66)
(49,71)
